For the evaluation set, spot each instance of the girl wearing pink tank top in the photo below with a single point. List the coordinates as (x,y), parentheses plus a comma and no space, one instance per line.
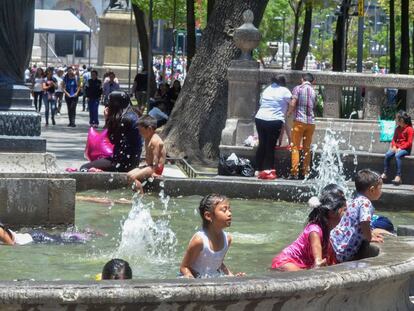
(311,249)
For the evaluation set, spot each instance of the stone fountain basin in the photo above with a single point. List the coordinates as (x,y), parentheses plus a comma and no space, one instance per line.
(376,283)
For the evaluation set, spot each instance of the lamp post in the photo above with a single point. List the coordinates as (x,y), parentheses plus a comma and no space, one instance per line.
(283,19)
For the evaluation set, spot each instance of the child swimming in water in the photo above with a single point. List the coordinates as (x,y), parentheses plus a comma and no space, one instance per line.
(9,237)
(311,248)
(205,254)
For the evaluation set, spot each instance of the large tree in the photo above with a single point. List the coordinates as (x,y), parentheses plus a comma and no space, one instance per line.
(306,34)
(297,7)
(191,32)
(339,41)
(195,125)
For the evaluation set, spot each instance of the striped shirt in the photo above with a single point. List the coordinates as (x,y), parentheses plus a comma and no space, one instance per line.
(306,100)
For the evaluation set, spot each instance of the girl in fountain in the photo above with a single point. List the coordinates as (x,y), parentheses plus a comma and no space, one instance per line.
(205,253)
(400,145)
(312,248)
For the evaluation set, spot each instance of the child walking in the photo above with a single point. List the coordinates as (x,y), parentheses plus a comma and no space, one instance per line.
(204,256)
(311,249)
(400,145)
(354,228)
(155,153)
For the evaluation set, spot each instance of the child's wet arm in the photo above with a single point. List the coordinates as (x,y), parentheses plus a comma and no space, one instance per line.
(225,270)
(191,254)
(316,247)
(366,230)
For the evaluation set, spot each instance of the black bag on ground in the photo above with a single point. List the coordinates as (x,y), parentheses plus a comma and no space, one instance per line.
(233,167)
(227,167)
(246,168)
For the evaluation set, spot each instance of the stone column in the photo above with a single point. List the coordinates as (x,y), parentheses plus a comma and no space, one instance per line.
(332,102)
(410,102)
(243,77)
(372,103)
(19,123)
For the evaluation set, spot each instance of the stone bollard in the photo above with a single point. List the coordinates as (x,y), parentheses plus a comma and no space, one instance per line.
(372,103)
(332,102)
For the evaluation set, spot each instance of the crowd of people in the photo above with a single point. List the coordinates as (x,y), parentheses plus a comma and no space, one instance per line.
(278,109)
(293,113)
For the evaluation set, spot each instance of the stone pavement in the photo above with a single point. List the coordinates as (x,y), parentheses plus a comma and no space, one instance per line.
(68,143)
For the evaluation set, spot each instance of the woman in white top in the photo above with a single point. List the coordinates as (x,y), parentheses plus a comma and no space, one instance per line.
(269,121)
(37,88)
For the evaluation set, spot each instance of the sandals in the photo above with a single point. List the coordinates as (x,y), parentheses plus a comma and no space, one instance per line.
(384,177)
(396,181)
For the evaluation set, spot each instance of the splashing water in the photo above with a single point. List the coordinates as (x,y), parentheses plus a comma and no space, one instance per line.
(143,238)
(330,168)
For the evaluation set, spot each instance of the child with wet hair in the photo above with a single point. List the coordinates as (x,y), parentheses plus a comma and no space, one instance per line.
(311,249)
(205,254)
(354,229)
(116,269)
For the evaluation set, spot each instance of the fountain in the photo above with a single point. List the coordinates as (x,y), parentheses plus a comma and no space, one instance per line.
(29,193)
(166,225)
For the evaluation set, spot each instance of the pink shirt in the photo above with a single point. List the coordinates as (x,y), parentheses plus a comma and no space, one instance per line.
(299,252)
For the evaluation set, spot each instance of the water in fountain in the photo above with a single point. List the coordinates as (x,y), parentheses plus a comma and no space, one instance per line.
(330,168)
(146,239)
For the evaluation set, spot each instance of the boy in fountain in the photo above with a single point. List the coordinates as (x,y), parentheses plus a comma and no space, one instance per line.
(354,229)
(155,154)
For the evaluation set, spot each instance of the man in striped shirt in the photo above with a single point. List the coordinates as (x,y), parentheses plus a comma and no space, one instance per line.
(302,108)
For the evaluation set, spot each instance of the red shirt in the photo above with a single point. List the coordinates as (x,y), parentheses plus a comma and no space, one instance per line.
(403,138)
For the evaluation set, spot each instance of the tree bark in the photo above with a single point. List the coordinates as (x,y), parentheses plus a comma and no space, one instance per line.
(405,49)
(199,115)
(405,38)
(304,46)
(191,35)
(339,41)
(297,11)
(210,7)
(392,37)
(143,43)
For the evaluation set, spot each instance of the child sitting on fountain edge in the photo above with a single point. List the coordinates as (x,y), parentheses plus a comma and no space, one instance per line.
(354,228)
(155,154)
(204,256)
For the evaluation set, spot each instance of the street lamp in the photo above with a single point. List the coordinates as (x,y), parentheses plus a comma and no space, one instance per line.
(283,19)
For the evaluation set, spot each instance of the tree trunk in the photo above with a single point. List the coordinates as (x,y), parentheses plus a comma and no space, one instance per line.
(191,35)
(392,37)
(210,6)
(339,41)
(297,14)
(199,115)
(143,43)
(405,49)
(405,38)
(304,45)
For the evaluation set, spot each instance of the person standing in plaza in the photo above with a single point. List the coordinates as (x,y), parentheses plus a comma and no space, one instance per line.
(86,75)
(37,88)
(93,91)
(59,90)
(71,88)
(139,89)
(269,121)
(302,108)
(110,84)
(49,99)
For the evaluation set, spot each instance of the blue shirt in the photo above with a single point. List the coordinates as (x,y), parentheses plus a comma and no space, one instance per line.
(71,85)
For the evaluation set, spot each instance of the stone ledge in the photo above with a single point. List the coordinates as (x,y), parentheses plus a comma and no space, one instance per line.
(378,283)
